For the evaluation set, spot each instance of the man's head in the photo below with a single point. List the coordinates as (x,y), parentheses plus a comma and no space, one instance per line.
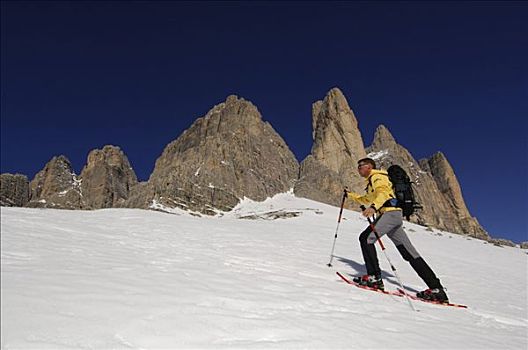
(365,166)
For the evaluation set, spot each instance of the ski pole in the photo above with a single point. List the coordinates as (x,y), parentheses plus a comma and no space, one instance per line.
(345,191)
(373,228)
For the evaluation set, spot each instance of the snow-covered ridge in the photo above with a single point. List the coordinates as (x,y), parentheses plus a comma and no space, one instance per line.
(378,155)
(140,279)
(282,205)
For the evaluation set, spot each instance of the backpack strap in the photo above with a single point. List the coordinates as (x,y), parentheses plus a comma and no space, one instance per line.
(370,180)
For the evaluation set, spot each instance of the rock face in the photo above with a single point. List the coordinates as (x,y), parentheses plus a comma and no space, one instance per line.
(231,153)
(337,146)
(56,186)
(140,196)
(435,184)
(14,190)
(107,178)
(448,185)
(386,151)
(502,242)
(228,154)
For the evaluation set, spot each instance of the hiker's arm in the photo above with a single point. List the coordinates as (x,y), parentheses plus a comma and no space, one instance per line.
(358,198)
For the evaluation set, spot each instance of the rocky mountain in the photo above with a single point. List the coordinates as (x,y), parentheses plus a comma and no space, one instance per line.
(228,154)
(56,186)
(105,182)
(14,190)
(231,153)
(107,178)
(449,186)
(436,186)
(337,146)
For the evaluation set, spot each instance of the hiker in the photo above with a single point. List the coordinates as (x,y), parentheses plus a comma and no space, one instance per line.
(380,200)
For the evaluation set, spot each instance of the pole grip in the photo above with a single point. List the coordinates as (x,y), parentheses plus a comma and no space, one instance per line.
(345,191)
(374,229)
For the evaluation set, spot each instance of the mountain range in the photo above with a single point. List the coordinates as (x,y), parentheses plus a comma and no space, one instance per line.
(232,153)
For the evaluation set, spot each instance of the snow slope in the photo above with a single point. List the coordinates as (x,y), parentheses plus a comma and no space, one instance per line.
(136,279)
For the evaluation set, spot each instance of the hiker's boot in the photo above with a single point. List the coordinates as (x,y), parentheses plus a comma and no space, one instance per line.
(436,294)
(371,281)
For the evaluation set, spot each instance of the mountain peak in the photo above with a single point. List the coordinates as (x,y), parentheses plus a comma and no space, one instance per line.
(335,103)
(233,99)
(383,137)
(107,178)
(439,157)
(59,159)
(229,154)
(56,186)
(337,95)
(337,146)
(448,184)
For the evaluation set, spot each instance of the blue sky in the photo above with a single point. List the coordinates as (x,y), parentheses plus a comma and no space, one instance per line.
(441,76)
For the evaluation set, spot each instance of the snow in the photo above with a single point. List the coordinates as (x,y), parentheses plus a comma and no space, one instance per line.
(139,279)
(155,205)
(378,155)
(76,185)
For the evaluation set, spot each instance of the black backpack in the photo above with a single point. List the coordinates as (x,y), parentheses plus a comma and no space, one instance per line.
(402,186)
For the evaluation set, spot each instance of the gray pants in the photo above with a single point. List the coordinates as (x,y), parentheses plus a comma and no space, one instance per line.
(391,224)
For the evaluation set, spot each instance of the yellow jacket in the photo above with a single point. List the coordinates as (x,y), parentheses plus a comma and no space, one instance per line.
(379,190)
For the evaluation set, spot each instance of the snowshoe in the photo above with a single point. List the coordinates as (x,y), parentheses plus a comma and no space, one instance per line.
(436,294)
(370,281)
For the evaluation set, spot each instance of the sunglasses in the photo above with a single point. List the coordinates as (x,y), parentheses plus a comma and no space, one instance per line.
(362,165)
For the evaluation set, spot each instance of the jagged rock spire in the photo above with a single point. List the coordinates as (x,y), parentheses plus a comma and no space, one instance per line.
(56,186)
(435,185)
(337,146)
(383,138)
(107,178)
